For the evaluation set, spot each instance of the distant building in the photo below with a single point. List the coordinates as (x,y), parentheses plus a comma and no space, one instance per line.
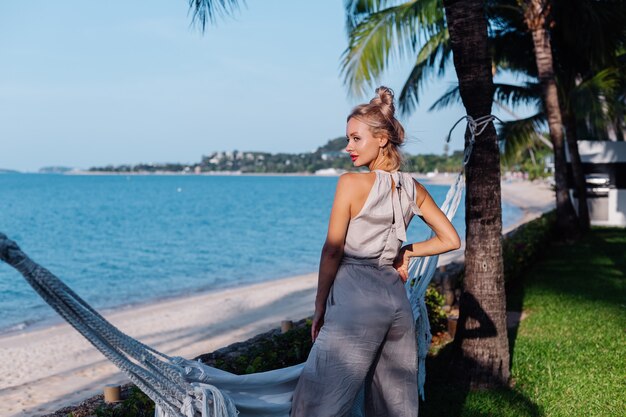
(330,171)
(330,155)
(604,167)
(548,162)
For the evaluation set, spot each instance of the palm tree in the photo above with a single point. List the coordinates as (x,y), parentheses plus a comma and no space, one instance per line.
(588,97)
(599,98)
(587,66)
(482,345)
(587,74)
(536,14)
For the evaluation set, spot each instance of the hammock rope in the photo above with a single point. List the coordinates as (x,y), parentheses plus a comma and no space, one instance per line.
(185,388)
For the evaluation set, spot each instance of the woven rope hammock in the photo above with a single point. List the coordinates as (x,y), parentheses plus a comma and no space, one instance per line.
(185,388)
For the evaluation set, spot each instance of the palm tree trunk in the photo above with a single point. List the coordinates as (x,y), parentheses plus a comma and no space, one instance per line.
(577,171)
(535,12)
(481,342)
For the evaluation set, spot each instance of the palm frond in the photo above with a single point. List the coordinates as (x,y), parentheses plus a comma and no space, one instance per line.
(519,135)
(513,50)
(452,96)
(505,14)
(599,101)
(587,33)
(505,94)
(385,34)
(357,10)
(516,95)
(431,59)
(206,11)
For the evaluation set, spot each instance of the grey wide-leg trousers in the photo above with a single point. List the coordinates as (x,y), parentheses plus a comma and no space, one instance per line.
(368,338)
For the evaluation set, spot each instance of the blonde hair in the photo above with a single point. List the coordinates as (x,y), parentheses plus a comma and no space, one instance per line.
(379,115)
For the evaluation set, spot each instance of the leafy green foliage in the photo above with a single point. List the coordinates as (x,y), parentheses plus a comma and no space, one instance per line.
(432,162)
(267,353)
(137,404)
(521,249)
(434,305)
(380,32)
(291,348)
(589,63)
(535,168)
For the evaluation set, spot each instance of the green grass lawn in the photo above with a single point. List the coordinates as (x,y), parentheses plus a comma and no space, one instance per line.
(569,354)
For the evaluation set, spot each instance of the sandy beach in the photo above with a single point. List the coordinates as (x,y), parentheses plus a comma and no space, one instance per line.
(42,370)
(532,197)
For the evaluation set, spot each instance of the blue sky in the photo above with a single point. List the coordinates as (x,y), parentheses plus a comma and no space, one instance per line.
(85,83)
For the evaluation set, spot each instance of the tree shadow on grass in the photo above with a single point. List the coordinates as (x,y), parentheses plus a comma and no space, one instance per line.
(447,398)
(448,393)
(514,305)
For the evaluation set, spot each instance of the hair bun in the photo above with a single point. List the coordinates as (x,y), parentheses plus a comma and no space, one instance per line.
(384,99)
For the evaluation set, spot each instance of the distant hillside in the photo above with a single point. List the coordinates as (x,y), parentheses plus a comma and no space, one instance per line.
(333,145)
(329,155)
(8,171)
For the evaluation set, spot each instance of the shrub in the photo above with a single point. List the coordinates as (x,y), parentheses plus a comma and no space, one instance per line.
(524,245)
(265,352)
(434,305)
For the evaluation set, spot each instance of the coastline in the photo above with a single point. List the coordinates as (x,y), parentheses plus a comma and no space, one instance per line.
(47,367)
(192,174)
(56,320)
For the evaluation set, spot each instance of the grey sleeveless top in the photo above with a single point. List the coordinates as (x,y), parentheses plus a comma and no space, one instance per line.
(378,230)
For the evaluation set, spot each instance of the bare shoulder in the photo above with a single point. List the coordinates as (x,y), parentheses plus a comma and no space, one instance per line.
(348,178)
(355,184)
(356,179)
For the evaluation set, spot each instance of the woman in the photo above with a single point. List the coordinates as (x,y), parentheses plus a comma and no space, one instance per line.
(363,327)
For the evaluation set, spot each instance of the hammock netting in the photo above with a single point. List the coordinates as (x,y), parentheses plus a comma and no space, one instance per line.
(185,388)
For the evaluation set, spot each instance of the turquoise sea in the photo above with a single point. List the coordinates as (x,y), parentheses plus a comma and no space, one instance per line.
(120,240)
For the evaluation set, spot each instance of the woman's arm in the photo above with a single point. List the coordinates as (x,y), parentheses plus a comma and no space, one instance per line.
(446,238)
(332,252)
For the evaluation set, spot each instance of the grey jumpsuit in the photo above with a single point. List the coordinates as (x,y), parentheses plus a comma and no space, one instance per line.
(368,336)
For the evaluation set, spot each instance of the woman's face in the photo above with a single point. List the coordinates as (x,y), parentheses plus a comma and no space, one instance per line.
(363,147)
